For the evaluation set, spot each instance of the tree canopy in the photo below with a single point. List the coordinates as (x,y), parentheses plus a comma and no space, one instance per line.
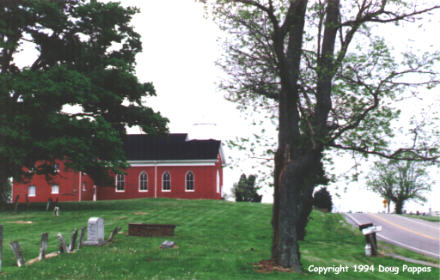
(84,59)
(400,181)
(330,82)
(245,189)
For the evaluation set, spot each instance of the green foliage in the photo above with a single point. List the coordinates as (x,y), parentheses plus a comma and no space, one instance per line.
(5,192)
(322,199)
(245,189)
(85,59)
(399,181)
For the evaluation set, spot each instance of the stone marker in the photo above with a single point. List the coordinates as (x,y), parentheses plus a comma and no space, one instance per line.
(48,204)
(1,246)
(18,253)
(114,232)
(167,244)
(63,246)
(95,232)
(43,246)
(56,210)
(73,241)
(81,237)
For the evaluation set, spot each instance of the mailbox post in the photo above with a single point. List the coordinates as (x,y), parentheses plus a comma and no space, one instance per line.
(369,231)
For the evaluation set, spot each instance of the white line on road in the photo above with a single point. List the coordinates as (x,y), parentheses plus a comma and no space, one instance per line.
(408,246)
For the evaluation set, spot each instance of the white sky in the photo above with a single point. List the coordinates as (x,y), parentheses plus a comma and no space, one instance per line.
(179,52)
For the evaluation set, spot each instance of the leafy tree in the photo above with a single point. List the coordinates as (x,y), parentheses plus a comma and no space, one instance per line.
(245,189)
(399,181)
(323,199)
(85,58)
(334,85)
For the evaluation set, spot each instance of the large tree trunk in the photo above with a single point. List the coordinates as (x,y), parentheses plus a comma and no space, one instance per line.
(398,206)
(294,186)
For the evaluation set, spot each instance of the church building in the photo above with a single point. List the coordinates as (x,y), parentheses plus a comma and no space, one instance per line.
(166,166)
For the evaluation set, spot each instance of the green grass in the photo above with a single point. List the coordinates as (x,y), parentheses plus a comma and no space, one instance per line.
(426,218)
(215,239)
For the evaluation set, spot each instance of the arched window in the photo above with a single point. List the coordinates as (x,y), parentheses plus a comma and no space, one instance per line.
(143,182)
(120,182)
(166,181)
(189,181)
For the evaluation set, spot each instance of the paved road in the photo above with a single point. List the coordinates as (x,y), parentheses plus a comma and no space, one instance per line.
(414,234)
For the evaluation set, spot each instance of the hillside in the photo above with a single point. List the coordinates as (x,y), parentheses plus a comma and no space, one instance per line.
(215,240)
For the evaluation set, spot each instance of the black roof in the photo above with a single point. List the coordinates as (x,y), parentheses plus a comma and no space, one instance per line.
(169,147)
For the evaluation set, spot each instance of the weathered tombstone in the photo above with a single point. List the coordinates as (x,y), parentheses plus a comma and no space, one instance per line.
(18,253)
(81,237)
(27,202)
(167,244)
(49,203)
(95,232)
(43,246)
(114,232)
(1,246)
(73,240)
(56,211)
(63,246)
(16,203)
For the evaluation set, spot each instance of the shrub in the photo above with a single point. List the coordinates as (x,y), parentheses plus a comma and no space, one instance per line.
(323,199)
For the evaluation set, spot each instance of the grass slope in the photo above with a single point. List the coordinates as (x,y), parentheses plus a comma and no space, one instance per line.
(216,240)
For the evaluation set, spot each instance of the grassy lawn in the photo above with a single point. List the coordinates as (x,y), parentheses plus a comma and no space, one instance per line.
(215,239)
(426,218)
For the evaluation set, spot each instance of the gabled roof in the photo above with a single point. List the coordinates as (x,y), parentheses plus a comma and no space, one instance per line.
(169,147)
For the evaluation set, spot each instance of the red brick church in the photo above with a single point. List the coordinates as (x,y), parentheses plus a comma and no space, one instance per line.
(168,166)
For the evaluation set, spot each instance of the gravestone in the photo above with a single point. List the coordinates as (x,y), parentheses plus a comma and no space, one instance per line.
(1,246)
(43,246)
(56,211)
(95,232)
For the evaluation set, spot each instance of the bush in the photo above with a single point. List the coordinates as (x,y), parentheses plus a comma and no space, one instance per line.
(322,199)
(245,189)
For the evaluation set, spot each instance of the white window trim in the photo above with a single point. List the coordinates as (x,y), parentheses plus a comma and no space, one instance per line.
(193,180)
(35,191)
(139,181)
(169,174)
(116,183)
(52,187)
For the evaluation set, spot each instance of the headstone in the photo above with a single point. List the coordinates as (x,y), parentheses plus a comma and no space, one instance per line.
(16,203)
(95,232)
(1,246)
(81,237)
(48,204)
(43,246)
(15,246)
(167,244)
(63,246)
(73,240)
(114,232)
(56,210)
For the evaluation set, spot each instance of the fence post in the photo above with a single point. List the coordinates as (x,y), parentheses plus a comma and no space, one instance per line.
(18,253)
